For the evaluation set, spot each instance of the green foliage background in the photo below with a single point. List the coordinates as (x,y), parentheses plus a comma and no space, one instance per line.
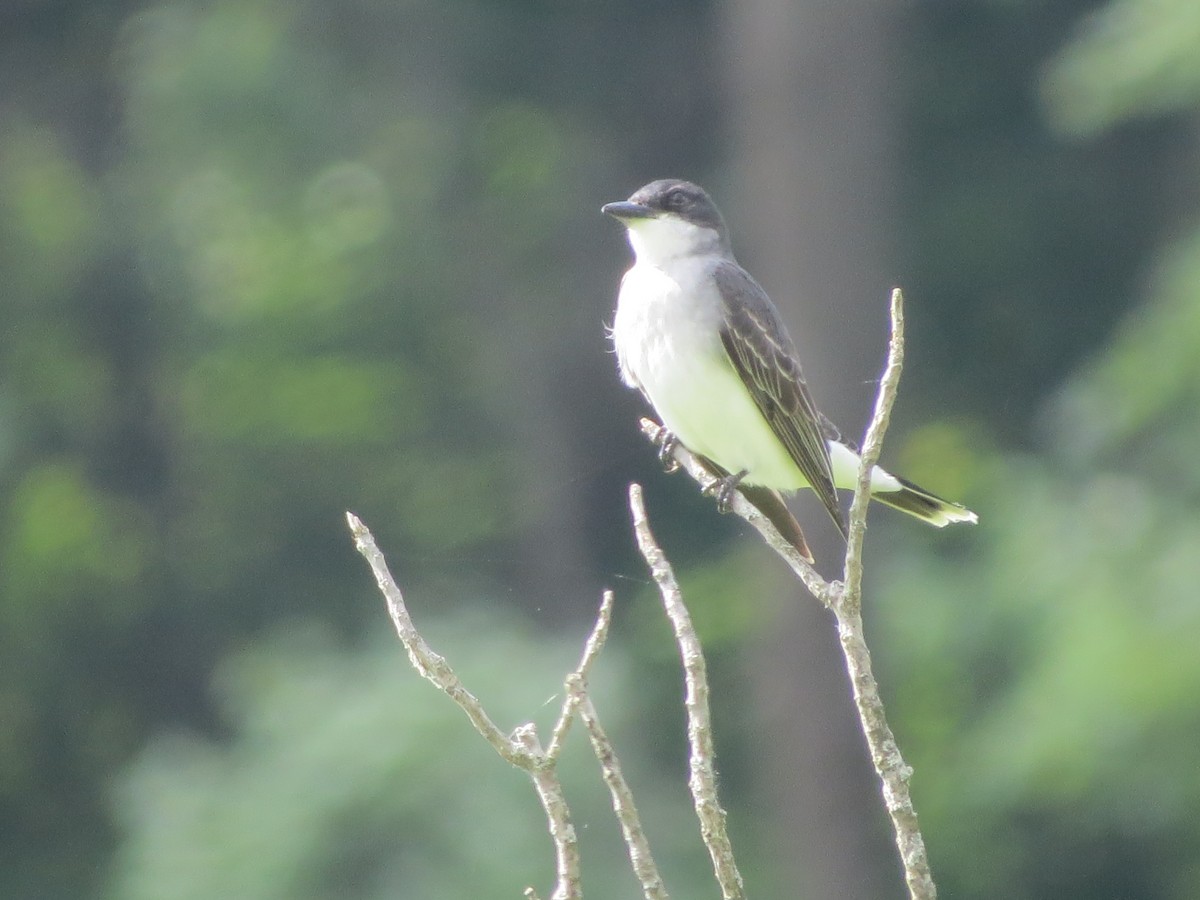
(264,262)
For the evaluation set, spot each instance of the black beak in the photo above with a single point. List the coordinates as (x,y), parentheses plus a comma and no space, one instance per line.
(626,209)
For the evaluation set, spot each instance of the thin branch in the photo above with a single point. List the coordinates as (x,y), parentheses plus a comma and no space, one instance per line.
(817,586)
(429,664)
(523,749)
(568,885)
(889,388)
(636,843)
(845,599)
(893,773)
(591,649)
(703,780)
(579,701)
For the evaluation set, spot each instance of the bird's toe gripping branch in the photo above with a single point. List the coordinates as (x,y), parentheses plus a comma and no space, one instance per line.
(723,488)
(667,442)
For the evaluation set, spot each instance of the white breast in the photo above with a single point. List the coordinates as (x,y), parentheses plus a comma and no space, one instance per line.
(658,329)
(667,338)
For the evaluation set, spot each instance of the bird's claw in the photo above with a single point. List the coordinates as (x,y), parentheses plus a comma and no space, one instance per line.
(723,489)
(667,442)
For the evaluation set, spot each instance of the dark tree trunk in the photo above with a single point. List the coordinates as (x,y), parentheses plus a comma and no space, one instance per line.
(807,101)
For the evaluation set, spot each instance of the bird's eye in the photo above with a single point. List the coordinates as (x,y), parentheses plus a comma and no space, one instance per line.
(675,199)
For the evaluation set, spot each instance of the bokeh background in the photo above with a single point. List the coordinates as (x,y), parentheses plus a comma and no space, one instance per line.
(262,262)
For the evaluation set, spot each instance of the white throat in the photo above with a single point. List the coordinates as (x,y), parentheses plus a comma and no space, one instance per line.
(663,238)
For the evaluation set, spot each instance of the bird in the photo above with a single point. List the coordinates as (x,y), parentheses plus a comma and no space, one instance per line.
(702,341)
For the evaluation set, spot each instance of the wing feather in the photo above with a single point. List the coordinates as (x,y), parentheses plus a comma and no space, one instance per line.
(764,357)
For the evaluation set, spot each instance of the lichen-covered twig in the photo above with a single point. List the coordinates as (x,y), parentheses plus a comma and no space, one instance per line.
(522,749)
(817,586)
(845,600)
(702,756)
(893,773)
(591,649)
(636,843)
(579,702)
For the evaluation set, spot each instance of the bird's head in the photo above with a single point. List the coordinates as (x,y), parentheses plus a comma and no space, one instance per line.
(671,218)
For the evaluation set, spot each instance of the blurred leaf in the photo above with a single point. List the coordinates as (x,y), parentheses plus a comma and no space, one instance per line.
(1131,58)
(49,212)
(64,537)
(264,401)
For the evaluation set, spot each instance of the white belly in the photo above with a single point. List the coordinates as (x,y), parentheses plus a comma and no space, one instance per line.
(671,349)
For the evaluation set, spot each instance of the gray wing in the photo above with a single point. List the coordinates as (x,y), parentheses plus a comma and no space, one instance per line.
(764,357)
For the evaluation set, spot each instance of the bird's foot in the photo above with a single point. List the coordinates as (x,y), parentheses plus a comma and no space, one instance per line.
(667,442)
(723,489)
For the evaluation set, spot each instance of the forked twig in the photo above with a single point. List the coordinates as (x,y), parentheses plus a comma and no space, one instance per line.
(845,600)
(702,756)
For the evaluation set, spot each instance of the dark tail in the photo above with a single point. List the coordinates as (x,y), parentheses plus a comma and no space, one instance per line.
(918,502)
(768,502)
(771,505)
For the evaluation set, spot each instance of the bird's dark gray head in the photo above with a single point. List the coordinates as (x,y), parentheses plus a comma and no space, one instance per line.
(671,217)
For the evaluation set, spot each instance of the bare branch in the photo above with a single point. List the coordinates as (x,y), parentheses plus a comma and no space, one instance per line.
(523,748)
(579,701)
(550,792)
(816,585)
(845,600)
(591,649)
(429,664)
(889,387)
(893,773)
(640,857)
(703,780)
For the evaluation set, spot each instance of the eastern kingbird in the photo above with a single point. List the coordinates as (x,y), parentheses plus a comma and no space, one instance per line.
(705,345)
